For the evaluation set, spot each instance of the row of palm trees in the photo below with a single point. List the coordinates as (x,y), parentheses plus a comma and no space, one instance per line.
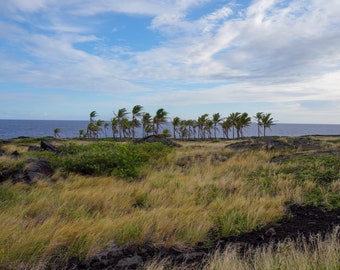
(204,127)
(123,127)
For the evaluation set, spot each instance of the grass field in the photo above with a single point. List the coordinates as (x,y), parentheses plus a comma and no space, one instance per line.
(168,197)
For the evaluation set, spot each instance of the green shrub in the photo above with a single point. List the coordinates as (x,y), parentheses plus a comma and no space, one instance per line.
(317,197)
(333,201)
(106,158)
(322,169)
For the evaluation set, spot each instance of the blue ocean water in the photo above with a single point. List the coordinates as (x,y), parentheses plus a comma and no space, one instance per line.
(40,128)
(70,129)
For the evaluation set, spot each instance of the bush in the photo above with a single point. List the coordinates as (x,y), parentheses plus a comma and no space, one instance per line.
(322,169)
(325,199)
(106,158)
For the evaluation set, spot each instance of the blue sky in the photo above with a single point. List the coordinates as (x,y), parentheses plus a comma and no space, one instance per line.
(62,59)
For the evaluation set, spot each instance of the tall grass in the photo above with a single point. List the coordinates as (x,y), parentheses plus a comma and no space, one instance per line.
(170,205)
(316,253)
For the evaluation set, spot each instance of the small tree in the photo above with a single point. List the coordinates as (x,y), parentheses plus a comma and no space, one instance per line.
(120,115)
(267,122)
(234,118)
(242,121)
(106,126)
(136,113)
(258,117)
(93,115)
(159,119)
(166,133)
(146,124)
(82,134)
(216,118)
(175,123)
(57,132)
(226,125)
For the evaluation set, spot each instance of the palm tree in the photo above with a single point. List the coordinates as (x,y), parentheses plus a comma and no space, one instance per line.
(226,125)
(216,118)
(146,124)
(159,119)
(114,126)
(82,133)
(57,132)
(258,117)
(267,122)
(106,126)
(233,118)
(209,124)
(93,115)
(201,123)
(92,130)
(136,112)
(125,126)
(121,114)
(243,121)
(175,123)
(100,123)
(183,129)
(191,124)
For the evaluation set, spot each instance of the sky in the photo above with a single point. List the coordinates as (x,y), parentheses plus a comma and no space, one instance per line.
(62,59)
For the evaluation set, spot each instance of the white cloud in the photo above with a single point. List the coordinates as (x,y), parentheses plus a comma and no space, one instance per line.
(272,51)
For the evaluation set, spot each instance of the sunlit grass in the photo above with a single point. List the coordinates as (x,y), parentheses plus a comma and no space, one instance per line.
(170,205)
(318,253)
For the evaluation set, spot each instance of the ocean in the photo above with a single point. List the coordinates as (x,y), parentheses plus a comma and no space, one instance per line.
(70,129)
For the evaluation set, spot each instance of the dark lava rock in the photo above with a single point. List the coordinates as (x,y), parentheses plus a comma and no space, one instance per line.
(274,143)
(130,263)
(34,148)
(284,158)
(8,173)
(15,154)
(35,169)
(300,221)
(48,146)
(155,138)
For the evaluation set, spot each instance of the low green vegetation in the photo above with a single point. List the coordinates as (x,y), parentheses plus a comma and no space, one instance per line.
(108,158)
(321,170)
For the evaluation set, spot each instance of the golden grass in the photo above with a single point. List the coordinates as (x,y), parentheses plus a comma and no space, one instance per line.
(316,254)
(171,206)
(319,254)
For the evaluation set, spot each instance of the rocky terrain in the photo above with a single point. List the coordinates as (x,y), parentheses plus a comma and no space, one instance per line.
(299,222)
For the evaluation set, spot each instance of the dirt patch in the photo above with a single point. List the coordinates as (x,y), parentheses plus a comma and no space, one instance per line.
(300,221)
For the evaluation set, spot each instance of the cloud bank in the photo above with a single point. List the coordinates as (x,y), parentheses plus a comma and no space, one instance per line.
(203,51)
